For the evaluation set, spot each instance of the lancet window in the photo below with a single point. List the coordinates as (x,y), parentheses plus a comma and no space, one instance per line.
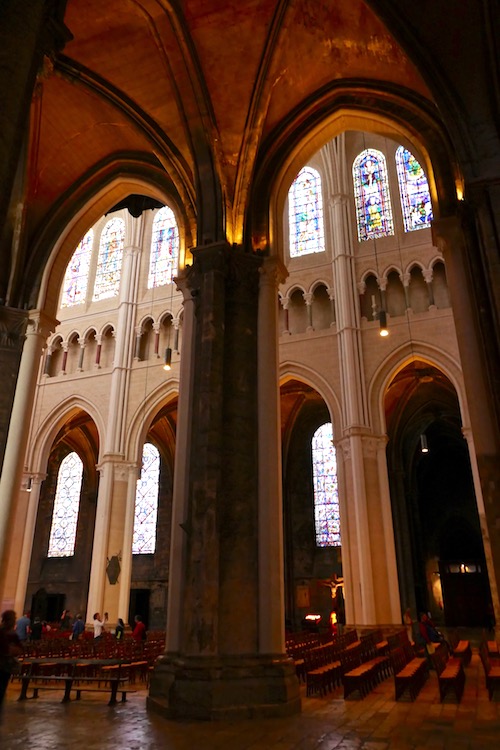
(164,248)
(66,505)
(109,261)
(372,195)
(325,485)
(305,214)
(77,273)
(146,502)
(414,191)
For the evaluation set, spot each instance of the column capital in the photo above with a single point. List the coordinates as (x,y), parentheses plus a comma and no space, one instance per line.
(446,232)
(273,271)
(308,298)
(41,324)
(428,274)
(338,199)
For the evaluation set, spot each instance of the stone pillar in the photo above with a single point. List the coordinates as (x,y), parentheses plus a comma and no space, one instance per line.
(95,601)
(390,582)
(285,303)
(48,361)
(10,481)
(81,355)
(219,670)
(12,329)
(97,363)
(126,546)
(428,274)
(186,282)
(308,299)
(405,280)
(112,501)
(26,520)
(271,565)
(156,329)
(177,325)
(64,358)
(331,296)
(366,602)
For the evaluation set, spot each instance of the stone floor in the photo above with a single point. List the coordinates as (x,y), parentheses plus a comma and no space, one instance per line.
(374,723)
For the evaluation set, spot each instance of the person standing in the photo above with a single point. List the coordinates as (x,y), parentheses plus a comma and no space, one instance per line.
(120,630)
(66,620)
(99,625)
(10,647)
(139,632)
(23,627)
(78,628)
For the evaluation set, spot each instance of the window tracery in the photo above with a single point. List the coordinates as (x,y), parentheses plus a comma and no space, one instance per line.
(372,195)
(109,261)
(164,248)
(77,273)
(414,191)
(325,484)
(305,214)
(146,502)
(66,505)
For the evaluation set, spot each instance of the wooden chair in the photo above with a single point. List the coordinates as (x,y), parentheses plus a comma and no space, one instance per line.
(450,672)
(461,649)
(491,672)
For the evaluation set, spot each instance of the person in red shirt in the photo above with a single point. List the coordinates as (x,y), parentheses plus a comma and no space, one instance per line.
(139,632)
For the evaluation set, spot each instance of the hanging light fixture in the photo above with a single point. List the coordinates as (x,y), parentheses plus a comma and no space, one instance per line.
(168,359)
(424,448)
(382,317)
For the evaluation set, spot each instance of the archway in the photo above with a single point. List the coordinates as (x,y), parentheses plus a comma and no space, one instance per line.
(309,563)
(441,560)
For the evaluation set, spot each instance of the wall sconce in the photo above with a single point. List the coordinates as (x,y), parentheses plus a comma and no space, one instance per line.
(29,484)
(424,448)
(168,359)
(382,317)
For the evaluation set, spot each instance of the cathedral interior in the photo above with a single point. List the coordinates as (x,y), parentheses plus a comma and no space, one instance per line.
(249,324)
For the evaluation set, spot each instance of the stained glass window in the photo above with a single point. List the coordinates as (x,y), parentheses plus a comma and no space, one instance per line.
(109,262)
(414,191)
(326,493)
(371,194)
(164,248)
(146,502)
(305,214)
(77,273)
(66,504)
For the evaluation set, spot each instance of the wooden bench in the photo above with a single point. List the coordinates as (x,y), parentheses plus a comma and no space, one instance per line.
(491,672)
(461,649)
(78,684)
(358,673)
(322,669)
(450,672)
(410,671)
(362,678)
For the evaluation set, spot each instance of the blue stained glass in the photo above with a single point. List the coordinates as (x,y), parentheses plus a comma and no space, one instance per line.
(146,502)
(326,494)
(305,214)
(77,273)
(164,248)
(66,505)
(414,191)
(109,262)
(372,196)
